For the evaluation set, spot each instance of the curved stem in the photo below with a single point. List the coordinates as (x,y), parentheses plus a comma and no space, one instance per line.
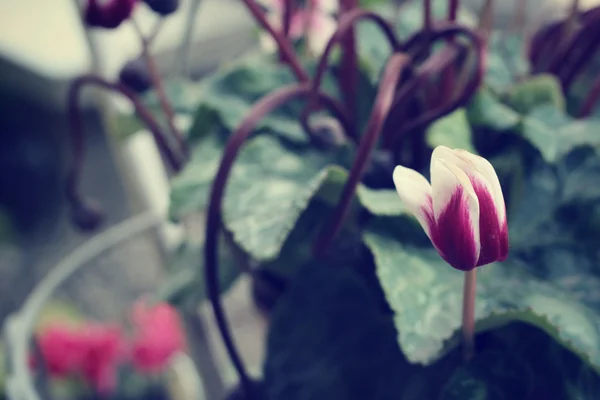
(590,100)
(346,22)
(383,102)
(76,128)
(285,48)
(154,73)
(214,214)
(288,11)
(587,42)
(437,62)
(453,10)
(348,78)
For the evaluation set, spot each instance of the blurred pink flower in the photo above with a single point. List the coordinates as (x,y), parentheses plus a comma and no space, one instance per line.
(104,350)
(314,22)
(92,350)
(107,13)
(159,335)
(61,348)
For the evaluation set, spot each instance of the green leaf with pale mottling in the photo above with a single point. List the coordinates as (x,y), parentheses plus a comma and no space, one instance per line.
(452,131)
(270,186)
(486,110)
(425,294)
(380,202)
(535,92)
(505,61)
(555,134)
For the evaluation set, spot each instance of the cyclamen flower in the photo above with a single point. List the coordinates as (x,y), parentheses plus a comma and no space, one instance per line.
(159,335)
(314,22)
(462,211)
(108,13)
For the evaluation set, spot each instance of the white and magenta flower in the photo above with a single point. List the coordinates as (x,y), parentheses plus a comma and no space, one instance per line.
(462,210)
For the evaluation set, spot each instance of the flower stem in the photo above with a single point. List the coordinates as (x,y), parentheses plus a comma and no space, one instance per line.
(159,86)
(468,314)
(349,68)
(285,48)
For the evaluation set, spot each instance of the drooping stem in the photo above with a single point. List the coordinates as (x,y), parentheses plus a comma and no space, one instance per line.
(468,314)
(427,16)
(214,214)
(157,82)
(349,67)
(76,127)
(453,10)
(288,11)
(590,101)
(345,23)
(383,102)
(285,48)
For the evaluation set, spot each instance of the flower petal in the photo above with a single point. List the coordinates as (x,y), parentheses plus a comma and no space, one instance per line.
(493,230)
(415,193)
(489,174)
(456,213)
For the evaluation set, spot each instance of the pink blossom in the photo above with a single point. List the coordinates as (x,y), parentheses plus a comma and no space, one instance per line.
(93,350)
(159,335)
(61,348)
(108,13)
(104,351)
(315,23)
(462,210)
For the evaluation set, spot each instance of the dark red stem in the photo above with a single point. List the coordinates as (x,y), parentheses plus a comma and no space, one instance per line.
(214,214)
(175,159)
(289,6)
(285,48)
(348,77)
(345,24)
(453,10)
(590,101)
(383,102)
(427,16)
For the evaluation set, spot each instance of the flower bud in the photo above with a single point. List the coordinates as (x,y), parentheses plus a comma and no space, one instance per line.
(135,76)
(163,7)
(462,210)
(108,13)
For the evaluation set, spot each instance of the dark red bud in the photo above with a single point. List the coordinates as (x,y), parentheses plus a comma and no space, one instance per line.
(86,214)
(135,76)
(108,13)
(163,7)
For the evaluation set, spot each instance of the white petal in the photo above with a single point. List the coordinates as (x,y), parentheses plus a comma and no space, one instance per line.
(477,168)
(446,179)
(489,174)
(415,193)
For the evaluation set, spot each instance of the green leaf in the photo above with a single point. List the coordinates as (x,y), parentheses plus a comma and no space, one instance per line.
(453,131)
(492,375)
(227,97)
(487,110)
(555,134)
(536,91)
(505,60)
(271,184)
(330,339)
(185,286)
(425,294)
